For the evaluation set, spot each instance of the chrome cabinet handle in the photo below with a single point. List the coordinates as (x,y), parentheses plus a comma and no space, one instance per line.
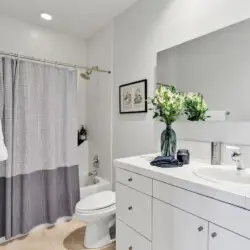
(130,208)
(130,179)
(200,229)
(214,235)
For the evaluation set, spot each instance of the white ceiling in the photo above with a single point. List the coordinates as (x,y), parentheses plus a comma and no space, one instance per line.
(79,17)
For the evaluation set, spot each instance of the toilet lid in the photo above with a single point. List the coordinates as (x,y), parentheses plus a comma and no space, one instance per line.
(96,201)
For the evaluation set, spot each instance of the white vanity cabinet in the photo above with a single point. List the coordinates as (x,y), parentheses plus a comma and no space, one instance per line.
(157,215)
(133,211)
(220,239)
(174,229)
(128,239)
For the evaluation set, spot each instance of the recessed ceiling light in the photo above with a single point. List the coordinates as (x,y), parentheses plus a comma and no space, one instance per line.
(46,16)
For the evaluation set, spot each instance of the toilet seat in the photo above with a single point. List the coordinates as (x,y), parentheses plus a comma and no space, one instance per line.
(97,203)
(96,212)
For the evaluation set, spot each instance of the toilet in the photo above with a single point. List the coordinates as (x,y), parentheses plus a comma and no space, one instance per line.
(98,212)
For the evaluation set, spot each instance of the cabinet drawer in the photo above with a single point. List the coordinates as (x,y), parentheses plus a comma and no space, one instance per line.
(134,208)
(136,181)
(127,238)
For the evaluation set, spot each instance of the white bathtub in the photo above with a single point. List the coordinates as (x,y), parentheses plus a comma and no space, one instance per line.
(93,185)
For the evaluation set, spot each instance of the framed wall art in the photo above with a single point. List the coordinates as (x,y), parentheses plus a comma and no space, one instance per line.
(133,97)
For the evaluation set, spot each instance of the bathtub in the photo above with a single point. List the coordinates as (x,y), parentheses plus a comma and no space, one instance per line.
(93,185)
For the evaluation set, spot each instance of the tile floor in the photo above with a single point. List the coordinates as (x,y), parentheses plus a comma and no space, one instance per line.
(66,236)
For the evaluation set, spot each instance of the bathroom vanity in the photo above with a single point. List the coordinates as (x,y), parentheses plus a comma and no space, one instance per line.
(181,208)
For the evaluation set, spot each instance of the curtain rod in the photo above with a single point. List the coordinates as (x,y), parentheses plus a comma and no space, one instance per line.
(68,65)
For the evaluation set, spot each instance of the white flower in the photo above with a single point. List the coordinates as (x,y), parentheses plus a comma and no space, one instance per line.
(169,103)
(161,99)
(190,95)
(170,94)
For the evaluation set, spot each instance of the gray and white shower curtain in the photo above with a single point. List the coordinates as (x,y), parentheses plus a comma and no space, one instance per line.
(39,183)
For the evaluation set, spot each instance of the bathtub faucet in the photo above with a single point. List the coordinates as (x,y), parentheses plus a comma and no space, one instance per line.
(96,162)
(93,173)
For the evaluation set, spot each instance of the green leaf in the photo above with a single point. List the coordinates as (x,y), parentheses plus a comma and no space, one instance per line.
(155,115)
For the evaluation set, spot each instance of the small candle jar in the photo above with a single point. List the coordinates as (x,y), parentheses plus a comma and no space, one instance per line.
(183,156)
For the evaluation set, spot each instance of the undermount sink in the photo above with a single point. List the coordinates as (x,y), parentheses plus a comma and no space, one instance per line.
(224,174)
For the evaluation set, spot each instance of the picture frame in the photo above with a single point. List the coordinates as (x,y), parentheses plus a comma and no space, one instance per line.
(133,97)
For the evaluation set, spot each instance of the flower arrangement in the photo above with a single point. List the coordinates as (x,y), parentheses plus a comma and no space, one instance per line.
(168,105)
(195,107)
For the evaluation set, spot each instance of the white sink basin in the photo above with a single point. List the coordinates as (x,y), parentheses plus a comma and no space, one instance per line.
(224,174)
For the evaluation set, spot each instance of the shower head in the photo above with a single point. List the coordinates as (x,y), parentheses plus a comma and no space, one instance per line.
(86,75)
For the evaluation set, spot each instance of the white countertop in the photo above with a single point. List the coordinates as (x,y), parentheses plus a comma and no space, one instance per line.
(183,177)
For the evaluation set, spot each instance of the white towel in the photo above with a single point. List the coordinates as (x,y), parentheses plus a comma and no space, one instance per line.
(3,149)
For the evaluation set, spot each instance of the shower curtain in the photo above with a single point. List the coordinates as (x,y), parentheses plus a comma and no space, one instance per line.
(39,183)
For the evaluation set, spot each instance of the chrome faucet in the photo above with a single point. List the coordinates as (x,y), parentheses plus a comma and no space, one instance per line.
(236,157)
(216,153)
(96,162)
(93,173)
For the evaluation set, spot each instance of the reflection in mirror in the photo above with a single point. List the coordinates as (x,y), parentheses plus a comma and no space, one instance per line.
(216,65)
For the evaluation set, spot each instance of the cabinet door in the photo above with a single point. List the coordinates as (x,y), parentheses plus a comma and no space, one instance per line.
(174,229)
(220,239)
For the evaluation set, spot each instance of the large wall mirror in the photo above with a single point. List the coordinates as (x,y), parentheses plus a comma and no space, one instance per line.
(217,65)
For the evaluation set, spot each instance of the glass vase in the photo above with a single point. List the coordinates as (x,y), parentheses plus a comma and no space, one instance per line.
(168,141)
